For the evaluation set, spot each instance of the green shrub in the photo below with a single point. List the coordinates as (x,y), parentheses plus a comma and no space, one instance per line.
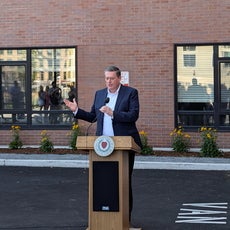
(73,135)
(45,145)
(180,140)
(209,147)
(146,149)
(16,142)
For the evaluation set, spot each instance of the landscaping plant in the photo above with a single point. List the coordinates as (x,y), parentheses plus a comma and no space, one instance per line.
(146,149)
(46,144)
(74,134)
(180,140)
(209,147)
(16,142)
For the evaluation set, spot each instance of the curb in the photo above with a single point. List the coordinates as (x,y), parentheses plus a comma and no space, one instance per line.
(141,162)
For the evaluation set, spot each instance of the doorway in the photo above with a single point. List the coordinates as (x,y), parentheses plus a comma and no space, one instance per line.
(12,93)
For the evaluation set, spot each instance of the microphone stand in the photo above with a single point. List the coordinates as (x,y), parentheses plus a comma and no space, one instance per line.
(87,131)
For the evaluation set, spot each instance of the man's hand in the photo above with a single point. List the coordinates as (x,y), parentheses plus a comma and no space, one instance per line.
(107,110)
(71,105)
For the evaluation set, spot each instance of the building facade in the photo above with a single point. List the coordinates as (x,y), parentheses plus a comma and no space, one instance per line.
(164,47)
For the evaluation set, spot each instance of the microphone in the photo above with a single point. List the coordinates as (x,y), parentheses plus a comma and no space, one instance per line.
(87,131)
(106,100)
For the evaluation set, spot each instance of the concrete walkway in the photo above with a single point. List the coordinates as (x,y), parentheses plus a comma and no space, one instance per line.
(141,162)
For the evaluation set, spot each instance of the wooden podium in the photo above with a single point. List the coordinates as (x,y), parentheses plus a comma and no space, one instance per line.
(108,184)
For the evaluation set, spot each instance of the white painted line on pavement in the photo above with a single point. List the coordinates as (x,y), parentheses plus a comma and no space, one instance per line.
(47,163)
(182,166)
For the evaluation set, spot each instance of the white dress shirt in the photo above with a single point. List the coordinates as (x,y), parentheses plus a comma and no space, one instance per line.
(107,122)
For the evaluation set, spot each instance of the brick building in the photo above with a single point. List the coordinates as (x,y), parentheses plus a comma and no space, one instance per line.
(161,44)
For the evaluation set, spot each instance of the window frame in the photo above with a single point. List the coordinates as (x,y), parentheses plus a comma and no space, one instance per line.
(217,60)
(28,125)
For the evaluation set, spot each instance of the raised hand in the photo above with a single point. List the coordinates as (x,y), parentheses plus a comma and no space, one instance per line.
(73,106)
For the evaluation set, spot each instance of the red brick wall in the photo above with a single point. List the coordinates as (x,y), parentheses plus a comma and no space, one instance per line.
(33,137)
(137,36)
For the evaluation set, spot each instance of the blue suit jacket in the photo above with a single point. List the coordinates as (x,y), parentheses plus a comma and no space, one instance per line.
(125,114)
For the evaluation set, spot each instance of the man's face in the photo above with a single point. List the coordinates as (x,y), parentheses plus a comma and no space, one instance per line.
(112,81)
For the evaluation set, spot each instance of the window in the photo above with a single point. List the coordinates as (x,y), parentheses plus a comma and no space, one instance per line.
(9,52)
(203,86)
(189,48)
(226,54)
(21,91)
(190,60)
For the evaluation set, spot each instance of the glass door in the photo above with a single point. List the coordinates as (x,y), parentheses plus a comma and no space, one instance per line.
(12,94)
(224,90)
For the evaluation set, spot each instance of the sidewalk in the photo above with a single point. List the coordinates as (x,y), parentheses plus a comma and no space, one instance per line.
(141,162)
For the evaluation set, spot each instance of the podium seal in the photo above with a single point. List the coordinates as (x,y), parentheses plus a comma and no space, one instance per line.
(104,146)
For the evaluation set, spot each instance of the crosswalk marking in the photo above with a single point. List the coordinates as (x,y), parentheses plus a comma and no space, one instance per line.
(209,214)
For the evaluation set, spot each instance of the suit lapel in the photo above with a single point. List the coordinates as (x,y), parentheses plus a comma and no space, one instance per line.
(121,94)
(102,99)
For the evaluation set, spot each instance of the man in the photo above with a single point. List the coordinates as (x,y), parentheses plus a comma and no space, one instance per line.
(116,116)
(17,98)
(55,102)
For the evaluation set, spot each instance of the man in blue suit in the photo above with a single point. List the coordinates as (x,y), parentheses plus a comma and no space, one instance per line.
(116,110)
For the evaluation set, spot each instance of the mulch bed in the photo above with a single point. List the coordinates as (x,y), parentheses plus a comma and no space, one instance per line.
(188,154)
(37,151)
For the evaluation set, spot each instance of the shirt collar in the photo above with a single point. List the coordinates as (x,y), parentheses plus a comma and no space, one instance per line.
(116,92)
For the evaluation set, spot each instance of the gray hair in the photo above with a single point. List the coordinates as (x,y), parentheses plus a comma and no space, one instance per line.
(113,68)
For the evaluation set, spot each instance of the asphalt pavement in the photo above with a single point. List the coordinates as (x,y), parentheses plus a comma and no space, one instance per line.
(48,192)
